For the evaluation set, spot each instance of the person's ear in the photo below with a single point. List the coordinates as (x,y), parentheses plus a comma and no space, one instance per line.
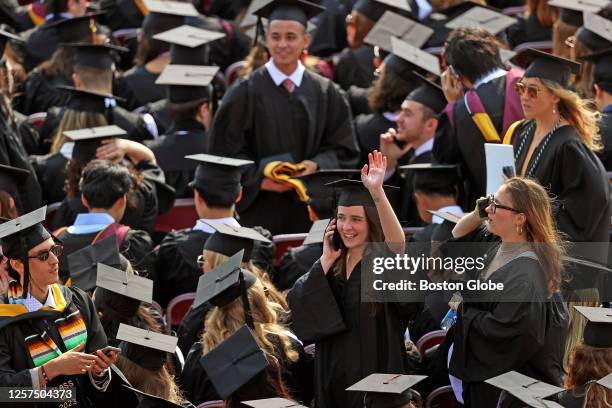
(307,40)
(431,125)
(521,219)
(598,91)
(17,265)
(77,80)
(237,200)
(84,201)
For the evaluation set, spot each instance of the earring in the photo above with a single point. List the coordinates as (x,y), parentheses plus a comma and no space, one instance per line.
(519,229)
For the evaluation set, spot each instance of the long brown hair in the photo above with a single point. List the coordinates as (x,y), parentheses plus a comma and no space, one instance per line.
(586,365)
(389,91)
(584,80)
(362,25)
(530,198)
(579,113)
(561,31)
(547,15)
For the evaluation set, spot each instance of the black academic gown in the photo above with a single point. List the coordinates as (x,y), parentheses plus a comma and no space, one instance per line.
(355,67)
(191,327)
(351,343)
(41,43)
(258,120)
(605,130)
(358,99)
(178,271)
(494,335)
(295,263)
(576,178)
(183,138)
(528,29)
(161,115)
(51,171)
(138,87)
(573,398)
(297,376)
(368,129)
(41,93)
(15,359)
(27,133)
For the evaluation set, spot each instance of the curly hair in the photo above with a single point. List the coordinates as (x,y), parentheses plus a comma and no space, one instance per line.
(389,91)
(587,364)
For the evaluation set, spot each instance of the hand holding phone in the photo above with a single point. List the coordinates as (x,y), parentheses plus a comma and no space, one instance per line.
(481,205)
(332,246)
(108,349)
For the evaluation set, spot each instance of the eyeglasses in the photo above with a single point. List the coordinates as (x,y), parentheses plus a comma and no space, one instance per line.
(43,256)
(531,90)
(493,203)
(201,260)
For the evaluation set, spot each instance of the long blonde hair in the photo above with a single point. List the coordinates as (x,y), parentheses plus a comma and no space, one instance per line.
(159,383)
(579,113)
(584,80)
(222,322)
(73,120)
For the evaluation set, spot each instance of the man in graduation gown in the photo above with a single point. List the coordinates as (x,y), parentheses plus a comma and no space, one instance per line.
(104,188)
(482,105)
(283,112)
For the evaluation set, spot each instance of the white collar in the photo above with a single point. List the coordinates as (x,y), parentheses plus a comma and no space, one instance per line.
(453,209)
(278,77)
(66,150)
(202,226)
(391,116)
(496,73)
(33,304)
(424,148)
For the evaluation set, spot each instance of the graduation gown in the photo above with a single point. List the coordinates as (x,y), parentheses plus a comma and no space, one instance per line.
(355,67)
(358,99)
(51,171)
(528,29)
(176,262)
(15,358)
(184,138)
(161,115)
(139,88)
(258,120)
(295,263)
(191,327)
(576,178)
(41,93)
(368,129)
(494,335)
(605,130)
(27,133)
(351,343)
(573,398)
(41,43)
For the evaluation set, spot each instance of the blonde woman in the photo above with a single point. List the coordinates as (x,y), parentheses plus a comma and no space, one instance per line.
(555,145)
(280,345)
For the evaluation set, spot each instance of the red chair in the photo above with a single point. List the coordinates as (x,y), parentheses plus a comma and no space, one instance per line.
(36,119)
(125,34)
(212,404)
(182,215)
(51,211)
(442,397)
(430,340)
(178,308)
(545,46)
(285,241)
(232,72)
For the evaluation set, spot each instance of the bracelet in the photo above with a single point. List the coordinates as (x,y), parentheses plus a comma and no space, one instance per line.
(44,373)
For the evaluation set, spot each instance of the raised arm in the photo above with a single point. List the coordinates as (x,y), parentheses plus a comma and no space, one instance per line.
(372,176)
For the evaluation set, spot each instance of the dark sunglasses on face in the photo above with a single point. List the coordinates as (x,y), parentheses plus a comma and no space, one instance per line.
(531,90)
(43,256)
(495,205)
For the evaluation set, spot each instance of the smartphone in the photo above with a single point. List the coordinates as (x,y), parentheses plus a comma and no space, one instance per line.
(399,143)
(107,350)
(508,171)
(482,204)
(335,239)
(453,72)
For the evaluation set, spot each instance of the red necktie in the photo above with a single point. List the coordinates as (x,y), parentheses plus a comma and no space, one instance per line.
(288,84)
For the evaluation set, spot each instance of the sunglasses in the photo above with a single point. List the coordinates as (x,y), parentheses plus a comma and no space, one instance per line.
(531,90)
(495,205)
(201,260)
(43,256)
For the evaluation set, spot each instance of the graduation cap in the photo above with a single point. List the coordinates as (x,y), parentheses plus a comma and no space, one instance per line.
(11,178)
(353,192)
(292,10)
(579,273)
(223,286)
(598,330)
(234,362)
(491,20)
(89,139)
(228,240)
(76,29)
(428,94)
(550,67)
(98,56)
(386,390)
(24,233)
(321,199)
(529,390)
(150,401)
(189,36)
(146,348)
(273,403)
(165,15)
(374,9)
(83,264)
(393,25)
(81,100)
(6,36)
(188,82)
(407,58)
(606,381)
(596,33)
(317,232)
(571,10)
(602,73)
(217,178)
(125,283)
(432,178)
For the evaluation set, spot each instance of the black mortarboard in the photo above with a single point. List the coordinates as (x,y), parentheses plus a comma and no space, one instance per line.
(386,390)
(529,390)
(374,9)
(188,82)
(96,55)
(166,15)
(11,178)
(87,140)
(596,33)
(6,36)
(228,240)
(81,100)
(151,401)
(83,264)
(598,330)
(571,10)
(234,362)
(293,10)
(21,234)
(550,67)
(602,73)
(353,192)
(146,348)
(321,198)
(407,58)
(434,178)
(492,20)
(217,178)
(580,273)
(76,29)
(393,25)
(273,403)
(428,94)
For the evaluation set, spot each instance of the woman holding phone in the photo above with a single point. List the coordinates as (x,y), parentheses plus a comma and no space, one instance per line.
(353,338)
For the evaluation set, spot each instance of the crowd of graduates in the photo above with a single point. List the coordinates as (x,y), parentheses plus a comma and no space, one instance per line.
(357,129)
